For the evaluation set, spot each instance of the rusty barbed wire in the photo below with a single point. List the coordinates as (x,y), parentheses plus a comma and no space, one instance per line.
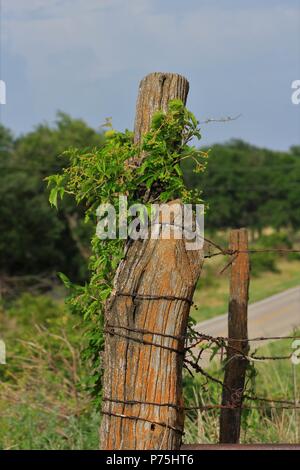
(141,418)
(221,342)
(111,331)
(234,253)
(202,407)
(230,252)
(238,398)
(138,296)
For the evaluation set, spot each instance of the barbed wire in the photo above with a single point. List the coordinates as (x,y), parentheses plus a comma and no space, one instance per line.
(199,407)
(226,251)
(237,398)
(234,253)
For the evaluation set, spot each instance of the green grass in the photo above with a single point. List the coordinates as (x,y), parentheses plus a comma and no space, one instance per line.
(23,427)
(211,295)
(43,400)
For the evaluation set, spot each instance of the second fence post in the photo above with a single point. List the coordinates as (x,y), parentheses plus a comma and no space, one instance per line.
(236,365)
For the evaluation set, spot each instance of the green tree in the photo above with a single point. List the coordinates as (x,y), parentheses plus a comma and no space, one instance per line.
(33,237)
(249,186)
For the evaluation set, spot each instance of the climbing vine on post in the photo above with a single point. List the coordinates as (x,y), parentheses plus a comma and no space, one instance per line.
(145,170)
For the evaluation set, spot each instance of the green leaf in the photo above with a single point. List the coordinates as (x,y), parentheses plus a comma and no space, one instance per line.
(65,280)
(53,197)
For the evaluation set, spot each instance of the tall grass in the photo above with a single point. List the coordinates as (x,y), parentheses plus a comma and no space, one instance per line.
(43,401)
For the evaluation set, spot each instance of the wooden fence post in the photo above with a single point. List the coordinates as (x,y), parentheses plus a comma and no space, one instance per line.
(146,319)
(235,368)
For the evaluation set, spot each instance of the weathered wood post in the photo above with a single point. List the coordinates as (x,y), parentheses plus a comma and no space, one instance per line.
(235,369)
(146,319)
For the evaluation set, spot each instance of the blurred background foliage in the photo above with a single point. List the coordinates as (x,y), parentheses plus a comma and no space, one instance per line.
(34,238)
(247,186)
(242,186)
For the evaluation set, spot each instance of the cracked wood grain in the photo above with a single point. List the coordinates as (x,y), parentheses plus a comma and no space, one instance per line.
(135,371)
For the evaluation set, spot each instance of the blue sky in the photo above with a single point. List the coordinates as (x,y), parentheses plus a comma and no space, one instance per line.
(86,57)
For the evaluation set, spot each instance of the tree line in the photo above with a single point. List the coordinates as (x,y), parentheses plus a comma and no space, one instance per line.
(243,185)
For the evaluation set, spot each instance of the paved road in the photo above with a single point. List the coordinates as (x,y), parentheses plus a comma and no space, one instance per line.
(274,316)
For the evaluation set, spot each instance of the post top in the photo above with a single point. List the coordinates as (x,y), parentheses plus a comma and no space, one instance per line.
(155,91)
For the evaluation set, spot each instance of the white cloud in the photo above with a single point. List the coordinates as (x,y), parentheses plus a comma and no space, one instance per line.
(26,9)
(72,45)
(120,35)
(13,6)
